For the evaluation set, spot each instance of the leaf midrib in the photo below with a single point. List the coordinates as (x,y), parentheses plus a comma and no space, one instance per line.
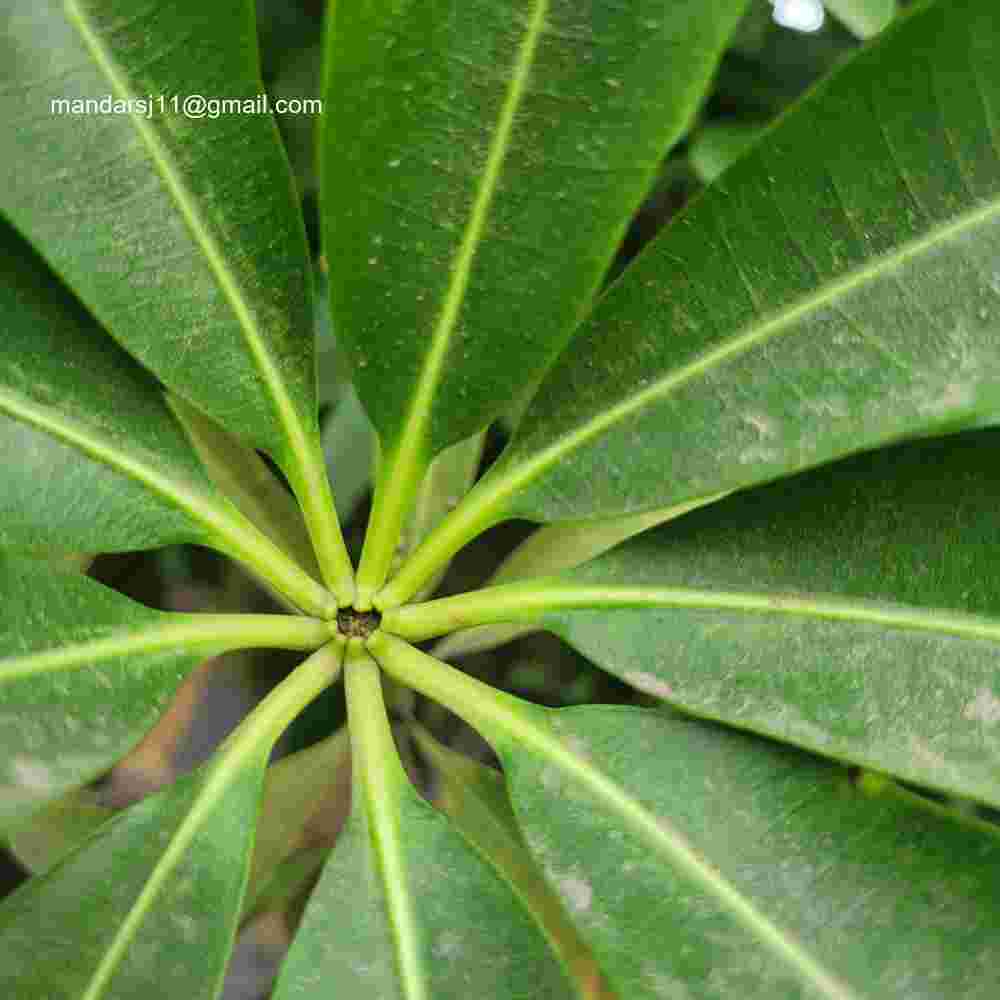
(212,254)
(531,602)
(520,474)
(202,633)
(511,727)
(176,493)
(248,746)
(415,425)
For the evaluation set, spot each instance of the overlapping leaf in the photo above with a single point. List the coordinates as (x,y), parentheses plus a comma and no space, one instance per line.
(93,460)
(493,155)
(405,907)
(85,672)
(140,206)
(816,302)
(797,885)
(161,920)
(853,610)
(147,906)
(704,862)
(752,339)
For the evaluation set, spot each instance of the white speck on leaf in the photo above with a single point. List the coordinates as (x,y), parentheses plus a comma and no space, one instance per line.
(447,945)
(577,893)
(985,707)
(649,684)
(31,774)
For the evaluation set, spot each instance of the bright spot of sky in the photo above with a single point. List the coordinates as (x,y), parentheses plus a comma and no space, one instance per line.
(800,15)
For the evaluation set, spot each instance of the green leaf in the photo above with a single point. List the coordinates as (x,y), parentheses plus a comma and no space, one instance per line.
(240,472)
(426,916)
(549,550)
(705,863)
(182,235)
(94,460)
(446,481)
(54,831)
(719,144)
(165,921)
(831,895)
(853,610)
(132,211)
(349,448)
(819,302)
(478,167)
(915,692)
(86,467)
(474,797)
(297,788)
(865,18)
(85,673)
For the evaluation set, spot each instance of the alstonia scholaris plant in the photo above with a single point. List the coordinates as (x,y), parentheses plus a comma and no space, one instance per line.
(831,303)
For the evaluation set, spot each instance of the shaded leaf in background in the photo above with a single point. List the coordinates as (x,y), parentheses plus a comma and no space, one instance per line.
(474,797)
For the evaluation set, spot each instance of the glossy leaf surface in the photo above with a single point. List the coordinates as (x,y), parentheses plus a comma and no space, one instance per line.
(849,897)
(814,304)
(147,906)
(85,673)
(85,468)
(425,915)
(551,549)
(783,633)
(493,155)
(750,341)
(45,837)
(62,727)
(180,233)
(474,797)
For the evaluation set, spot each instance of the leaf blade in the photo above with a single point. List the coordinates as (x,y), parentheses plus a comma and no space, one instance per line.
(189,269)
(85,673)
(181,859)
(766,820)
(851,610)
(401,938)
(587,93)
(867,315)
(742,839)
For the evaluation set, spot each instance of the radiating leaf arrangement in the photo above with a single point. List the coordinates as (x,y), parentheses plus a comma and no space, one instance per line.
(762,459)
